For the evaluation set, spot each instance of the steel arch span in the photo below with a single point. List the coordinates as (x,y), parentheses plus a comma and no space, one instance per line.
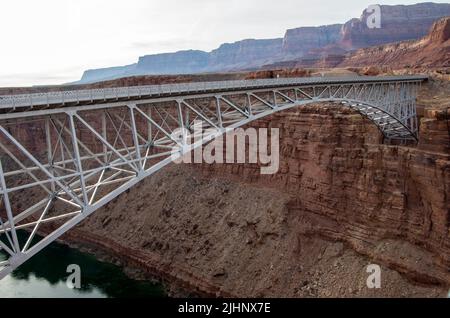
(64,155)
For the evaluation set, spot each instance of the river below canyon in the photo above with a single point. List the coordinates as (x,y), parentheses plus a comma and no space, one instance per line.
(45,276)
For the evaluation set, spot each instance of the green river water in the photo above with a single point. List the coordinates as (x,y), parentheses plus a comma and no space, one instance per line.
(45,276)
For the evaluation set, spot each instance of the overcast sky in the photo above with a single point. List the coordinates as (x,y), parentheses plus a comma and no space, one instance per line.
(54,41)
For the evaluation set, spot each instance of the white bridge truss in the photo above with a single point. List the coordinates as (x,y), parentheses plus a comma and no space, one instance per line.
(64,155)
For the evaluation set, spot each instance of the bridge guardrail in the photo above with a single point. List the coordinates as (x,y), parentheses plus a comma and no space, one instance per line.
(85,95)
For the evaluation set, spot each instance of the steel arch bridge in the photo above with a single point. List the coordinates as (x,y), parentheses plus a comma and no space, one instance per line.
(66,154)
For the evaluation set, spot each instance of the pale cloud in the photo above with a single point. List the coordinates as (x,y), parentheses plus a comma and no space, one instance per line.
(54,41)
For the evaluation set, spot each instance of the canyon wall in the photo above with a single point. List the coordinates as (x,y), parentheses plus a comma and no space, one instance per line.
(229,56)
(388,202)
(237,55)
(102,74)
(398,23)
(184,62)
(298,42)
(243,54)
(432,50)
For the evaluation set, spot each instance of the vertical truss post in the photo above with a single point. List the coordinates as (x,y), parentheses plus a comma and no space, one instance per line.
(48,138)
(149,126)
(181,122)
(219,112)
(105,136)
(131,107)
(249,104)
(76,150)
(8,209)
(187,120)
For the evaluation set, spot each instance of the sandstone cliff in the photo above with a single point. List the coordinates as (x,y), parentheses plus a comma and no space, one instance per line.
(243,54)
(103,74)
(298,42)
(182,62)
(398,23)
(432,50)
(229,56)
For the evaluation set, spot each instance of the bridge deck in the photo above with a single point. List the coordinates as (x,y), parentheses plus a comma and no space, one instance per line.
(25,102)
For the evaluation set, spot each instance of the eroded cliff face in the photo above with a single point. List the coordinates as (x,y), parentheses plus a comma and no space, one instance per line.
(432,50)
(299,41)
(388,202)
(398,23)
(182,62)
(244,54)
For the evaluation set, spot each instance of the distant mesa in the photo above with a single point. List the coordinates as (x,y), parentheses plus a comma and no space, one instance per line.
(101,74)
(326,46)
